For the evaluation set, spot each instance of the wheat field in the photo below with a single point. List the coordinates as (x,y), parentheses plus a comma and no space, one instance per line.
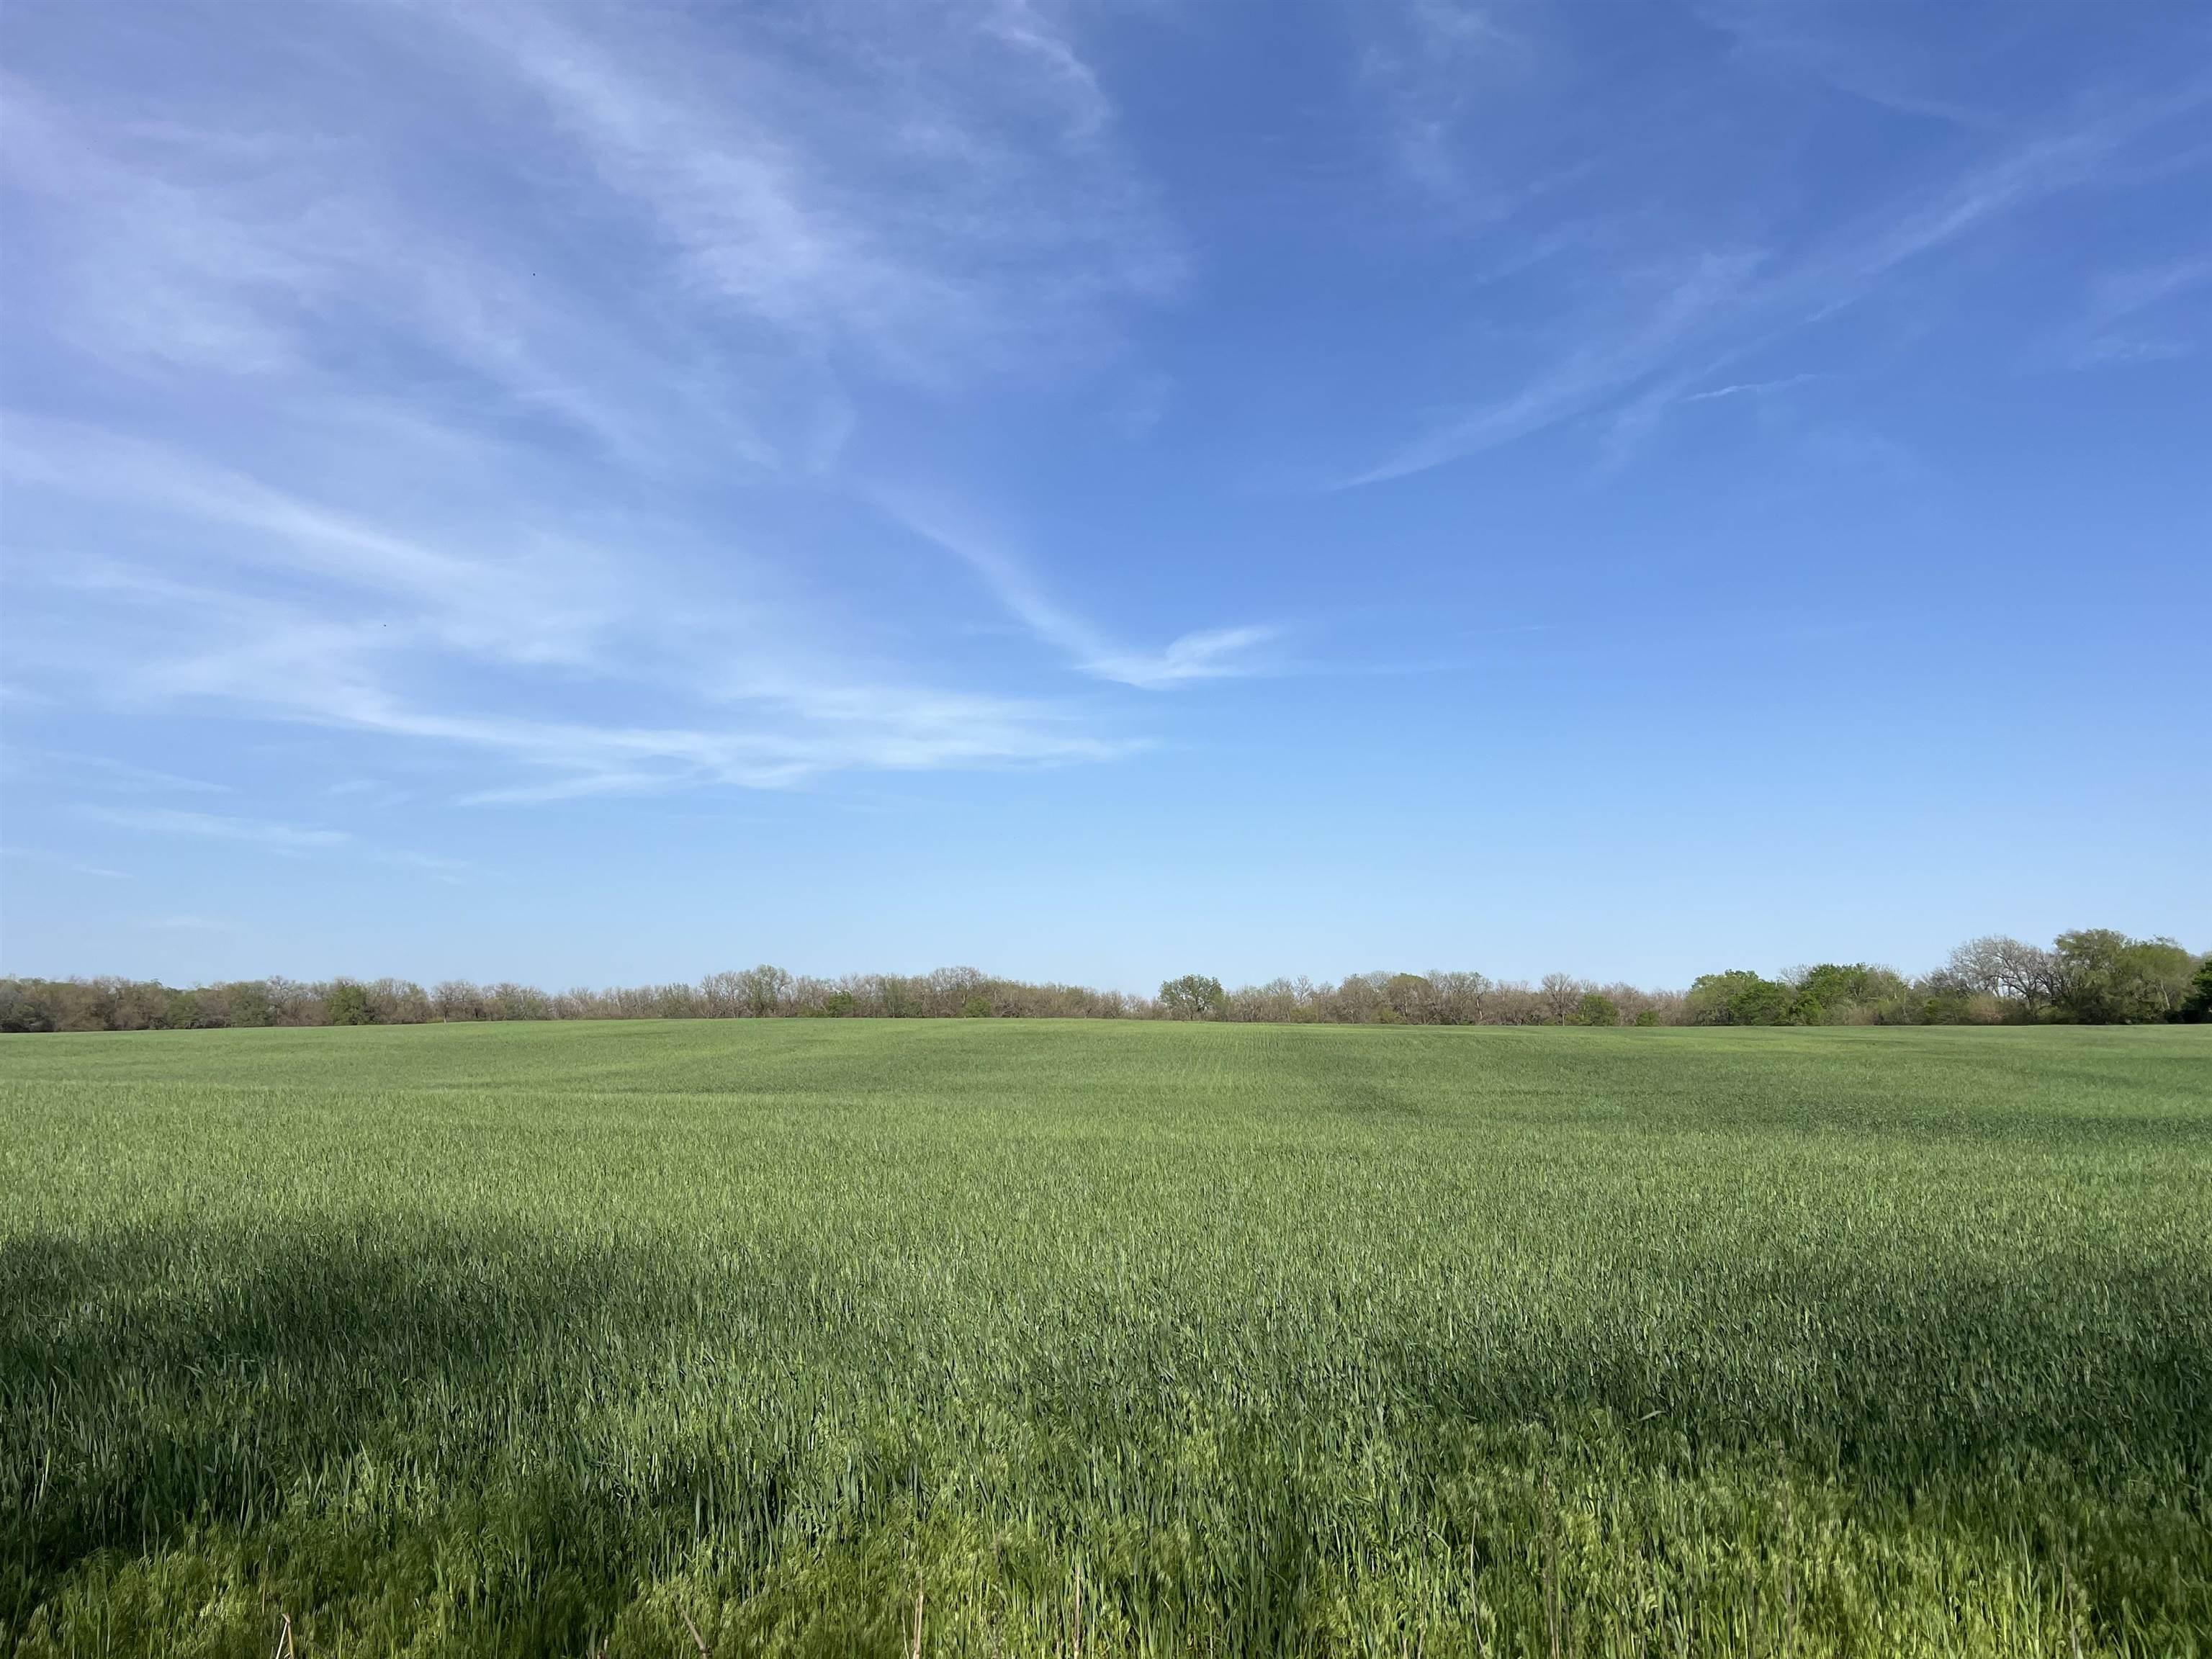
(1009,1337)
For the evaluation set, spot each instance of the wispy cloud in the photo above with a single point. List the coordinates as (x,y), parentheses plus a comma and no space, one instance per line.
(2131,316)
(1588,373)
(525,602)
(1753,388)
(270,835)
(1443,59)
(149,265)
(222,249)
(120,774)
(63,861)
(499,368)
(1824,45)
(1208,653)
(258,832)
(1724,306)
(941,223)
(1634,420)
(553,618)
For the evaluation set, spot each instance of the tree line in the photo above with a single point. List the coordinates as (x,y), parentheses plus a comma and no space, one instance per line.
(2087,976)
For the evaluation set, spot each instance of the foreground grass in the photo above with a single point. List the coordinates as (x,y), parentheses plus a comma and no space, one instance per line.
(1105,1338)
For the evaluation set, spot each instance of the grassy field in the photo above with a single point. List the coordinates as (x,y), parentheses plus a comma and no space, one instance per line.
(1108,1339)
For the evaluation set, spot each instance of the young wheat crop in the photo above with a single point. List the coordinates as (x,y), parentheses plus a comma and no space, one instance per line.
(1008,1337)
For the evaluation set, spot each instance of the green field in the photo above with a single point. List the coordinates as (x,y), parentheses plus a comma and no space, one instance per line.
(1107,1339)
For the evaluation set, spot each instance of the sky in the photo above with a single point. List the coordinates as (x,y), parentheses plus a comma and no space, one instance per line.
(1096,492)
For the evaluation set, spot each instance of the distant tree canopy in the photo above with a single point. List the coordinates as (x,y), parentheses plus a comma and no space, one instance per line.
(1195,996)
(2090,976)
(2087,976)
(1407,998)
(2105,978)
(1596,1008)
(1828,994)
(347,1004)
(1740,997)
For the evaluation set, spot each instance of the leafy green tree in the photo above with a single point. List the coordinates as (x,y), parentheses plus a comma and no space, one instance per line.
(1409,997)
(1195,996)
(1830,987)
(1707,1003)
(1597,1009)
(245,1002)
(2163,970)
(2105,978)
(1847,992)
(1648,1019)
(1948,1004)
(2197,1007)
(348,1004)
(976,1007)
(1739,997)
(1769,1002)
(26,1004)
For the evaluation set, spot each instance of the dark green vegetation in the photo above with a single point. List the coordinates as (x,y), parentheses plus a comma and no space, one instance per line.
(1116,1337)
(2089,976)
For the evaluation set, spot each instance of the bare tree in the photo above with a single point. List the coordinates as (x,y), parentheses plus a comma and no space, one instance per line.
(1561,994)
(763,991)
(1456,998)
(1511,1002)
(2000,966)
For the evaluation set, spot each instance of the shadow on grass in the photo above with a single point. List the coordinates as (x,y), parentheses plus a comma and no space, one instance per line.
(575,1415)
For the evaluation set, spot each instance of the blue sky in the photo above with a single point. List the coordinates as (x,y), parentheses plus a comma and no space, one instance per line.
(1103,491)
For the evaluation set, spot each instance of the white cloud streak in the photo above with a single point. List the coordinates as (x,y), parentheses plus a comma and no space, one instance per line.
(1726,306)
(1206,655)
(430,510)
(1586,376)
(269,835)
(606,631)
(289,838)
(935,226)
(2132,318)
(216,251)
(62,862)
(1811,43)
(114,774)
(1446,59)
(1753,388)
